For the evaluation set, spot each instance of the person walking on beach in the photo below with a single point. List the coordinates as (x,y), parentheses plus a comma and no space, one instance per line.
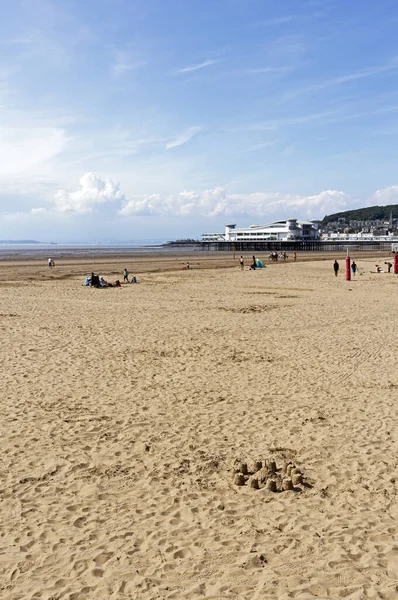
(50,262)
(354,267)
(125,276)
(336,267)
(294,257)
(242,266)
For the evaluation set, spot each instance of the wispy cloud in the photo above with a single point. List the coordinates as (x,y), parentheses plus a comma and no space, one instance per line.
(274,124)
(352,76)
(22,40)
(286,49)
(275,21)
(261,146)
(336,81)
(283,19)
(26,149)
(197,67)
(321,118)
(264,70)
(183,138)
(124,62)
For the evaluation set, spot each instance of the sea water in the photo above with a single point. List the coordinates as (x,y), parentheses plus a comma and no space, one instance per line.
(41,251)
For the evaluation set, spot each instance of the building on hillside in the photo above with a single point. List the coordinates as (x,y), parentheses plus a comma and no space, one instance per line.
(286,230)
(360,236)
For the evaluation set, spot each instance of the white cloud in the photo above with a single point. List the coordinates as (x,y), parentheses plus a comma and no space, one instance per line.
(93,193)
(282,205)
(183,138)
(205,203)
(388,195)
(197,67)
(103,196)
(216,203)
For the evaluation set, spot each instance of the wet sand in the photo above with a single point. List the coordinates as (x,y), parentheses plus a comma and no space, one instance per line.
(112,266)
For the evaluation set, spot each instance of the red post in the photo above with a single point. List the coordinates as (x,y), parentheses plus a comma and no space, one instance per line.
(396,263)
(348,268)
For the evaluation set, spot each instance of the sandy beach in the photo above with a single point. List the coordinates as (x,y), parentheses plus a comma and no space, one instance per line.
(128,413)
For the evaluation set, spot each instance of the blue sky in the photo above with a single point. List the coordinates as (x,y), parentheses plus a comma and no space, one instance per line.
(167,118)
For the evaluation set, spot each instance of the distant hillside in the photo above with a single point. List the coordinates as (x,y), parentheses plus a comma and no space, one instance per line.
(371,213)
(19,242)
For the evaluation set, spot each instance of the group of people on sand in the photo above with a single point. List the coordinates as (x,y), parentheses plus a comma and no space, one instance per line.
(51,263)
(275,256)
(99,282)
(126,277)
(389,267)
(336,268)
(354,268)
(255,263)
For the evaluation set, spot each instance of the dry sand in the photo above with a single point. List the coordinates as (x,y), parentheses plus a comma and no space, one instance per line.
(125,412)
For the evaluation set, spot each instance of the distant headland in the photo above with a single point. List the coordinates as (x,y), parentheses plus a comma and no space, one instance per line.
(20,242)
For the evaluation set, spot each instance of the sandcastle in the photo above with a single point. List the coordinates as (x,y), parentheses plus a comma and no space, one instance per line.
(266,474)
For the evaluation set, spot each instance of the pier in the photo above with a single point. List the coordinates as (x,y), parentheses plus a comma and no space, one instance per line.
(296,246)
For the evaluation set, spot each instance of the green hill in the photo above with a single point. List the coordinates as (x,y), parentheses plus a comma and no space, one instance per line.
(370,213)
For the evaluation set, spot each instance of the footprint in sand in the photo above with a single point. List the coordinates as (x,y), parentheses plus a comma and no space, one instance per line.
(103,558)
(97,572)
(79,567)
(80,522)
